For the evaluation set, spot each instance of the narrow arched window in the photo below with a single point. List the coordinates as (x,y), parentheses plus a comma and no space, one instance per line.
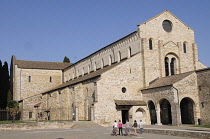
(172,66)
(102,63)
(129,52)
(29,78)
(50,79)
(166,66)
(119,57)
(88,69)
(83,71)
(94,66)
(150,44)
(110,60)
(184,47)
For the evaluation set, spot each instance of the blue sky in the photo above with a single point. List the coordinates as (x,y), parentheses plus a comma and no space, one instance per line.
(48,30)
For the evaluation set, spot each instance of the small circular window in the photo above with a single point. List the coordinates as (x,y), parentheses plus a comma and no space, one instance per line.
(123,89)
(167,25)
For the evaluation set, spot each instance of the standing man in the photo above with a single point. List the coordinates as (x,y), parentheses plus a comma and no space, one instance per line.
(127,128)
(141,126)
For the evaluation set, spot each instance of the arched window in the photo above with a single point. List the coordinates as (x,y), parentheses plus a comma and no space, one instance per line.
(94,68)
(150,44)
(102,63)
(88,69)
(83,71)
(110,60)
(29,78)
(184,47)
(172,65)
(50,79)
(77,73)
(73,75)
(129,52)
(119,57)
(166,66)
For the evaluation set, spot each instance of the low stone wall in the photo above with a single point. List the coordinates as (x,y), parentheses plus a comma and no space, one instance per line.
(35,125)
(183,133)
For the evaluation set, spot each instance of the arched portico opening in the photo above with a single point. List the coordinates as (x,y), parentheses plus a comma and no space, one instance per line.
(165,112)
(152,112)
(187,111)
(140,115)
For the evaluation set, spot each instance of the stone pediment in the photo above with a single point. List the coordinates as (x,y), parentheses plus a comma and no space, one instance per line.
(170,44)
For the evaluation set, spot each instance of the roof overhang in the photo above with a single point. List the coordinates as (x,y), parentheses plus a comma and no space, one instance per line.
(130,103)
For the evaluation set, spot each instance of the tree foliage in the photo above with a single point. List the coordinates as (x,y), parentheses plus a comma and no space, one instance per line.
(66,60)
(13,107)
(4,84)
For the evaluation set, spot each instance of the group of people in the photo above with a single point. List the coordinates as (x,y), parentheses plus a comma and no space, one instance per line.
(119,126)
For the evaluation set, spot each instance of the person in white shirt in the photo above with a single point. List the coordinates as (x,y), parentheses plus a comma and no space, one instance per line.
(141,126)
(115,128)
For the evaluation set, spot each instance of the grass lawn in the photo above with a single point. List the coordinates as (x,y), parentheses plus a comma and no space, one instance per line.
(10,122)
(32,121)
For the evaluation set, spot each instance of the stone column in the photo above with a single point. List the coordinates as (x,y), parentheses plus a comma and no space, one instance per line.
(169,66)
(176,117)
(77,115)
(158,115)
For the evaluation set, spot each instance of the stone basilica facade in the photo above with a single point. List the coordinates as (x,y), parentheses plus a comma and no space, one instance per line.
(152,74)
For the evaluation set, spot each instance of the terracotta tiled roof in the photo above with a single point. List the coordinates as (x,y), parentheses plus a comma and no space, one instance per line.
(41,65)
(130,102)
(169,80)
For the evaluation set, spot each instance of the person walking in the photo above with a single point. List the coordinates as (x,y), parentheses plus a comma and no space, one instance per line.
(115,128)
(120,127)
(127,128)
(141,126)
(135,125)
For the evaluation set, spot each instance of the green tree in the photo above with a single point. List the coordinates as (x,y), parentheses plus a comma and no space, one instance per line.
(13,107)
(66,60)
(9,97)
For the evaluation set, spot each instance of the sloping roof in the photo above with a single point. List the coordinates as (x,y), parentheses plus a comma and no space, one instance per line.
(41,65)
(91,75)
(169,80)
(130,103)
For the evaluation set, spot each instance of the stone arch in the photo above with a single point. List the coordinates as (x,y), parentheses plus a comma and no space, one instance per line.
(165,112)
(152,111)
(187,107)
(140,114)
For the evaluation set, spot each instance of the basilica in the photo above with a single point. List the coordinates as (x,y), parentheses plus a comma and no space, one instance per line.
(153,74)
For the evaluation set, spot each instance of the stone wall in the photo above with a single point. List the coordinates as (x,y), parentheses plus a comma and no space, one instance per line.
(39,81)
(204,95)
(112,53)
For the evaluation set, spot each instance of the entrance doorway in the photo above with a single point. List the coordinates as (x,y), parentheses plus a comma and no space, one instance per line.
(187,112)
(165,112)
(124,116)
(152,112)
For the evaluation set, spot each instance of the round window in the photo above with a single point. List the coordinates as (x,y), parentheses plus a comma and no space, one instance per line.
(167,25)
(123,89)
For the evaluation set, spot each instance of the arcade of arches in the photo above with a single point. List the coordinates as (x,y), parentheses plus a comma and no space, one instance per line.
(161,113)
